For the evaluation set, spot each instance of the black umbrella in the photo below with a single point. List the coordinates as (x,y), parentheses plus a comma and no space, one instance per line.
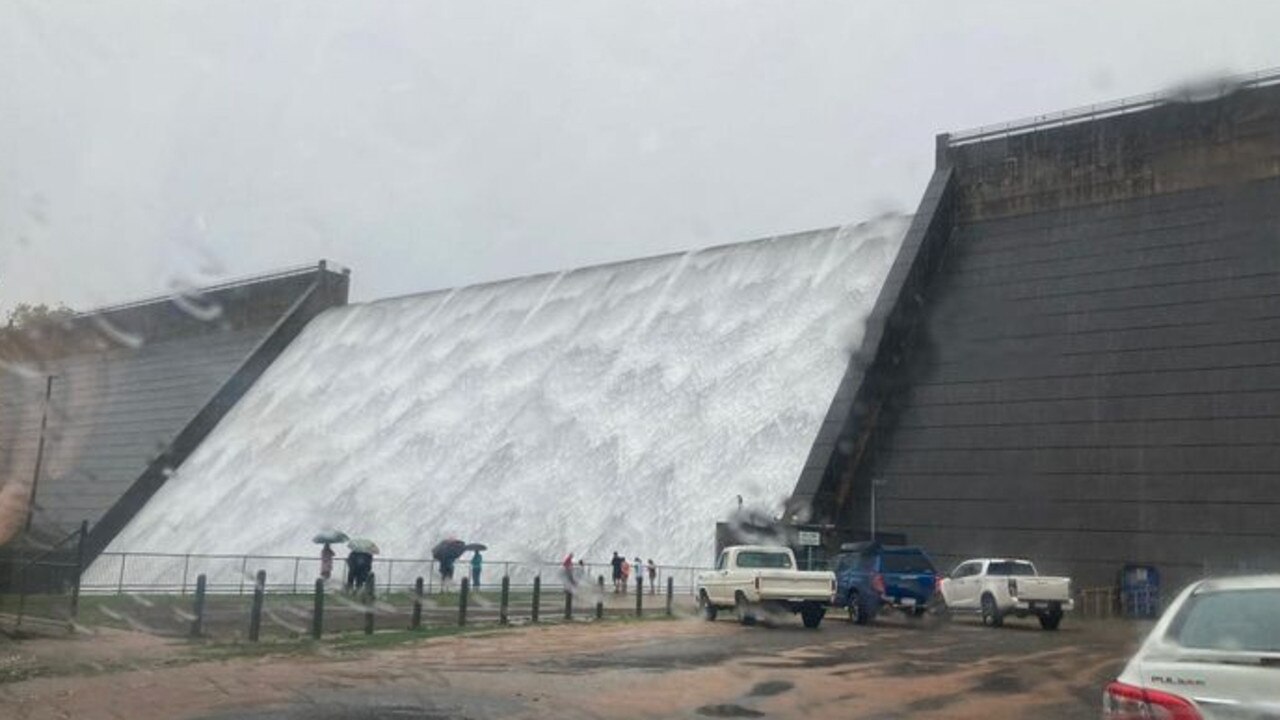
(476,547)
(448,550)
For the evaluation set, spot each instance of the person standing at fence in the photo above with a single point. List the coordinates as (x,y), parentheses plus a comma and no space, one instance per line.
(581,573)
(477,563)
(361,565)
(326,561)
(637,569)
(653,577)
(617,562)
(446,575)
(566,569)
(626,576)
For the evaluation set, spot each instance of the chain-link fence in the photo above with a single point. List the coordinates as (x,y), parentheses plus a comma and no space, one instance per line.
(40,588)
(322,608)
(172,573)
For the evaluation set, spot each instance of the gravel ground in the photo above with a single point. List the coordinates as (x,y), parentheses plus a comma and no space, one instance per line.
(683,668)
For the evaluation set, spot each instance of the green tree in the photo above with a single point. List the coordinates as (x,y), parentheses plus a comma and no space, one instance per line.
(35,331)
(26,316)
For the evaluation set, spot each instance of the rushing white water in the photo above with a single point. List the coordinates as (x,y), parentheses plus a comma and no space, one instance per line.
(621,407)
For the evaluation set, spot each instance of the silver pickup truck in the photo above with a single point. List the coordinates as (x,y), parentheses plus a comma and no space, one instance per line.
(757,580)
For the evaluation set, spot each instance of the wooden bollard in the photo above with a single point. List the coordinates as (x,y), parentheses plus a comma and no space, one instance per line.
(639,595)
(671,594)
(537,596)
(416,622)
(317,610)
(369,595)
(463,591)
(255,614)
(600,597)
(504,601)
(197,623)
(568,603)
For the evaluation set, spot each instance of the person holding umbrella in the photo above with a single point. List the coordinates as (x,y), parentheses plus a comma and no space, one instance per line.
(326,561)
(327,538)
(447,551)
(360,562)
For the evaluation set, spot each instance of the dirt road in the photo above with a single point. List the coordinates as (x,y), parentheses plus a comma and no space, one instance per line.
(653,669)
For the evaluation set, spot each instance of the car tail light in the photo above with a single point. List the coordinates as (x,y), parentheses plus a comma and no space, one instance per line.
(1013,588)
(877,583)
(1121,701)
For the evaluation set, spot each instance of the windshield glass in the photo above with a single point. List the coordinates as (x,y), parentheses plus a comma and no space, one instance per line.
(760,559)
(475,359)
(1229,620)
(906,562)
(1011,568)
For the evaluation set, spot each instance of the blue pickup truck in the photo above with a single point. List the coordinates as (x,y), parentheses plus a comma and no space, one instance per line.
(871,576)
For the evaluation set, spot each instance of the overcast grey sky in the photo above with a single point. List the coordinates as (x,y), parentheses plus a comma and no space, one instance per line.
(431,144)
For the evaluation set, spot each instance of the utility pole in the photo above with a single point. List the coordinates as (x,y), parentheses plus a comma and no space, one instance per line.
(35,478)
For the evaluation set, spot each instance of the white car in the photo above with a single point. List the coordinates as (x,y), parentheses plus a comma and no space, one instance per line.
(1214,654)
(996,587)
(757,580)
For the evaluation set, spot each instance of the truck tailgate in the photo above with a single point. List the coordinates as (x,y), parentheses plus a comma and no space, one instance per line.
(1043,588)
(789,585)
(912,587)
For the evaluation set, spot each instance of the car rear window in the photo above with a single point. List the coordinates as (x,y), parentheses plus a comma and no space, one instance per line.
(1011,568)
(905,562)
(1246,620)
(755,559)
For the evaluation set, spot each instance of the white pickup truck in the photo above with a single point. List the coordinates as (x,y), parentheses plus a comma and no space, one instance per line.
(756,580)
(996,587)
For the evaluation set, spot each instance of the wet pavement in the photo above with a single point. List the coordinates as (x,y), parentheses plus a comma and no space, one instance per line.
(683,668)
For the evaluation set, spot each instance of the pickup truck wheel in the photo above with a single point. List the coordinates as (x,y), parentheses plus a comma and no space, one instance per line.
(746,614)
(1050,620)
(812,615)
(705,607)
(991,615)
(858,614)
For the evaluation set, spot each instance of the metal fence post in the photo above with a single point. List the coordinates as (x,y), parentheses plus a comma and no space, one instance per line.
(505,600)
(463,591)
(186,564)
(568,602)
(600,597)
(317,610)
(296,561)
(639,595)
(390,564)
(75,587)
(416,622)
(537,595)
(120,584)
(255,615)
(369,595)
(244,564)
(197,623)
(671,591)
